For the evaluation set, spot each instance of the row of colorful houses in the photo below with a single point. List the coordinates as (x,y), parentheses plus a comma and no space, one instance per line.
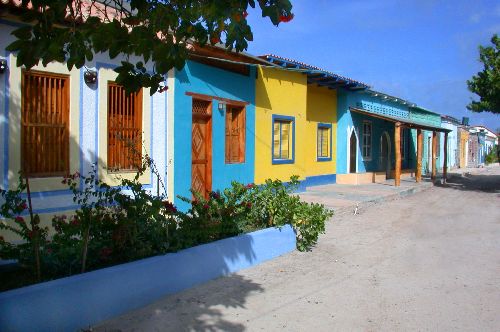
(225,117)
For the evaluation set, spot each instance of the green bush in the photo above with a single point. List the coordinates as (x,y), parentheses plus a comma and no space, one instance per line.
(220,215)
(27,253)
(492,157)
(113,225)
(274,204)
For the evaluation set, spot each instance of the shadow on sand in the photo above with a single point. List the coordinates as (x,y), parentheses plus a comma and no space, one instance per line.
(473,182)
(195,309)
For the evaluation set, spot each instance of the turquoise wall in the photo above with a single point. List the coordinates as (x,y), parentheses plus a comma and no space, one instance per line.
(199,78)
(346,119)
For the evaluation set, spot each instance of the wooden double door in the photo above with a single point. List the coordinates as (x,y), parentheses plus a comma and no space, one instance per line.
(201,147)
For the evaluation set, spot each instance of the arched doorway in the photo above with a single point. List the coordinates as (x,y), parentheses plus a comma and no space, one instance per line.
(385,154)
(352,152)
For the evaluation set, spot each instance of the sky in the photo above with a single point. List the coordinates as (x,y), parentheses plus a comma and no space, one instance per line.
(422,51)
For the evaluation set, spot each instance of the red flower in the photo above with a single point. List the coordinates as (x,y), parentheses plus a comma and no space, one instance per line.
(214,39)
(285,19)
(206,206)
(75,222)
(19,219)
(250,185)
(169,206)
(215,195)
(249,205)
(23,206)
(163,89)
(245,14)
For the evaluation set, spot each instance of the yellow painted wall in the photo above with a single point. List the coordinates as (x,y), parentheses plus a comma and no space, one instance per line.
(321,108)
(464,137)
(279,92)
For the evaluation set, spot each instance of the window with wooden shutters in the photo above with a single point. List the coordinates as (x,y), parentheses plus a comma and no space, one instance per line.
(283,139)
(124,129)
(235,134)
(324,141)
(44,124)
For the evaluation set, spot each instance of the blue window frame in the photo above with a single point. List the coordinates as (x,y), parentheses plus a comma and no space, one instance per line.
(324,142)
(283,139)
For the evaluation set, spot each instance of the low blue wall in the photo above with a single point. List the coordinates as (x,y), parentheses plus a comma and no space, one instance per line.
(319,180)
(76,302)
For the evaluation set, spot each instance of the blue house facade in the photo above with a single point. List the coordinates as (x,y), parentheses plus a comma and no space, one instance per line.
(366,142)
(213,123)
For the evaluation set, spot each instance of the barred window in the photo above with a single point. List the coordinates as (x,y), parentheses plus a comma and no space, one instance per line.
(44,124)
(124,129)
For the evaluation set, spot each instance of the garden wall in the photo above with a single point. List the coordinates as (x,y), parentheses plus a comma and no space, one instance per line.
(76,302)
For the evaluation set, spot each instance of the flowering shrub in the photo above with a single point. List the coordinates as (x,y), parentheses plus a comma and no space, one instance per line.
(111,226)
(275,205)
(116,225)
(222,214)
(27,253)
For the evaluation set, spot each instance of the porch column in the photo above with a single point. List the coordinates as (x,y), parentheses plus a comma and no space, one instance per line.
(445,157)
(397,150)
(434,152)
(418,171)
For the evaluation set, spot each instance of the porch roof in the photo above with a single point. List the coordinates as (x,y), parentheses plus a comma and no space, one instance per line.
(405,122)
(316,75)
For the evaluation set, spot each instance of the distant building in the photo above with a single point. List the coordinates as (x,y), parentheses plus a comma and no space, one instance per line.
(453,140)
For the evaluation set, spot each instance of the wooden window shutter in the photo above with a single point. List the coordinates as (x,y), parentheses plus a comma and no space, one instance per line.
(235,135)
(276,140)
(44,124)
(285,140)
(124,129)
(323,142)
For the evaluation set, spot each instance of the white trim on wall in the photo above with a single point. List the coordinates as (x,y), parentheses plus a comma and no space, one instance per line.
(170,135)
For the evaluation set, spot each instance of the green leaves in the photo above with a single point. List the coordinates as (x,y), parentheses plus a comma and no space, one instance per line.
(486,84)
(156,31)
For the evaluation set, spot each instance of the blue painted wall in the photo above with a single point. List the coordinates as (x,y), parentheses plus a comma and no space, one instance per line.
(203,79)
(346,119)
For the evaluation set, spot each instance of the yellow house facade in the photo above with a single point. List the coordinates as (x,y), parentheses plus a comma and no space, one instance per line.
(295,131)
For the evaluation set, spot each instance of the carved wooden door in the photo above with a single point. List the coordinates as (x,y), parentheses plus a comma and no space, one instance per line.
(201,147)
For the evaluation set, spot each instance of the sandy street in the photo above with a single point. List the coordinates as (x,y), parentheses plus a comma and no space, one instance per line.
(427,262)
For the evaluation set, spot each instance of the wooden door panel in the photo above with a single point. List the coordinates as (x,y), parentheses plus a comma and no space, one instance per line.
(199,137)
(201,149)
